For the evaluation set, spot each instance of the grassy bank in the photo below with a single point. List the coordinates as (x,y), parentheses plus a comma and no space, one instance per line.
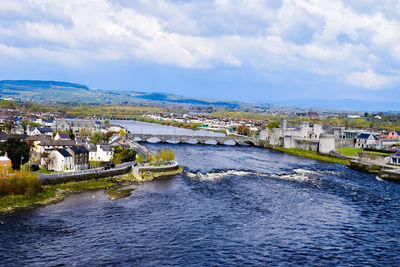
(50,194)
(352,151)
(149,175)
(311,155)
(114,194)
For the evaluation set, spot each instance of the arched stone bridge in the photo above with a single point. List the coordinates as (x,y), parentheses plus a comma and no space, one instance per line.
(188,139)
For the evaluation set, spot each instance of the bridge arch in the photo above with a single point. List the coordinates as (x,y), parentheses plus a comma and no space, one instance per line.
(192,141)
(230,142)
(153,140)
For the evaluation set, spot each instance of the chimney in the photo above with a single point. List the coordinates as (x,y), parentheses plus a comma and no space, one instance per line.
(6,154)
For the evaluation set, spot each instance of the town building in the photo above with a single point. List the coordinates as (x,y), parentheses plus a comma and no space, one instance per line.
(395,158)
(112,128)
(49,145)
(76,125)
(100,152)
(81,157)
(389,135)
(366,140)
(61,136)
(59,160)
(303,137)
(5,162)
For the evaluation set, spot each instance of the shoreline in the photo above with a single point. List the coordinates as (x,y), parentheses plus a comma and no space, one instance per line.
(56,193)
(310,155)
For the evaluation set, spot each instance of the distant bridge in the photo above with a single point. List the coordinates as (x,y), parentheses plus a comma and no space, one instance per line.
(189,139)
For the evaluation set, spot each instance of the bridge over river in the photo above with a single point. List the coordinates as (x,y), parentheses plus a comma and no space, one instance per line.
(192,139)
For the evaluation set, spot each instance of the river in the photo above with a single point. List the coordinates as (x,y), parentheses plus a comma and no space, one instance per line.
(232,206)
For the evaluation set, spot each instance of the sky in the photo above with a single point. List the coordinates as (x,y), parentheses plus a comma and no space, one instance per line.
(249,50)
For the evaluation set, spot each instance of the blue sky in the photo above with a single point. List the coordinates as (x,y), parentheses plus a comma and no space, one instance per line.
(249,50)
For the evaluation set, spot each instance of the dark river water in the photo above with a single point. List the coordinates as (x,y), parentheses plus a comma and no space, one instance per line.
(232,206)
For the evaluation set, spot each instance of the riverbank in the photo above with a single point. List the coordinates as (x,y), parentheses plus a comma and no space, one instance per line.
(153,174)
(311,155)
(50,194)
(55,193)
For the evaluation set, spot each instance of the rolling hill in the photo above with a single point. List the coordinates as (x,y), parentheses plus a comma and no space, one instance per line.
(65,92)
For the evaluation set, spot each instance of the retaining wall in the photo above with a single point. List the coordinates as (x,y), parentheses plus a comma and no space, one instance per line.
(81,176)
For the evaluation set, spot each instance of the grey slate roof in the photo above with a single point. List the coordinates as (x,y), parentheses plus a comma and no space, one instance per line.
(65,153)
(63,135)
(106,148)
(45,130)
(366,136)
(79,149)
(52,142)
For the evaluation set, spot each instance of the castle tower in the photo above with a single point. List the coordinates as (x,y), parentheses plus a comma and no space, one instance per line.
(284,124)
(326,143)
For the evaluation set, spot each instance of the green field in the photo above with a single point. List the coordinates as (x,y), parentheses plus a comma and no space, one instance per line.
(352,151)
(312,155)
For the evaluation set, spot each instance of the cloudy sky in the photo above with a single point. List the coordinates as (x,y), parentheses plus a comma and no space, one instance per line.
(243,50)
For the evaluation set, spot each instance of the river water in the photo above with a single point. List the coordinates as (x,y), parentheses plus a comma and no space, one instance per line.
(232,206)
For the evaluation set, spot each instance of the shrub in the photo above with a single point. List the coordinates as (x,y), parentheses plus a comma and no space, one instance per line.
(165,155)
(20,183)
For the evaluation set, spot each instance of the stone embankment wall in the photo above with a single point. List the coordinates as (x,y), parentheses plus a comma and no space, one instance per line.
(341,143)
(306,144)
(161,168)
(325,144)
(83,175)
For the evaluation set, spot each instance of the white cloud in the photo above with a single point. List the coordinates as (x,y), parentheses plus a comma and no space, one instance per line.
(274,35)
(369,80)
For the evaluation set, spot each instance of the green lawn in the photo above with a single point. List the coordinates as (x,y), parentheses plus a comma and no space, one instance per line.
(352,151)
(311,155)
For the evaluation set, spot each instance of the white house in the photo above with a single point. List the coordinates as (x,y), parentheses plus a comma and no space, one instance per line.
(100,152)
(60,160)
(39,131)
(112,128)
(31,131)
(46,131)
(104,152)
(62,136)
(48,123)
(366,140)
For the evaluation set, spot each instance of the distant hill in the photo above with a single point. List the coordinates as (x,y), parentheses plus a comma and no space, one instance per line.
(65,92)
(344,104)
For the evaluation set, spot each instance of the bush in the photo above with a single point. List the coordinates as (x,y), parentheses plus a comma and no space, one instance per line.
(20,183)
(165,155)
(123,155)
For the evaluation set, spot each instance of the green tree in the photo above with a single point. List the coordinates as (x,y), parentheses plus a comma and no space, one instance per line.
(150,158)
(273,124)
(8,125)
(97,137)
(123,155)
(84,132)
(139,158)
(17,150)
(25,123)
(107,121)
(122,132)
(109,134)
(70,133)
(165,155)
(34,124)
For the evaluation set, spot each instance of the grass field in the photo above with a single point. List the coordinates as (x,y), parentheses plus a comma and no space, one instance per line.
(312,155)
(352,151)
